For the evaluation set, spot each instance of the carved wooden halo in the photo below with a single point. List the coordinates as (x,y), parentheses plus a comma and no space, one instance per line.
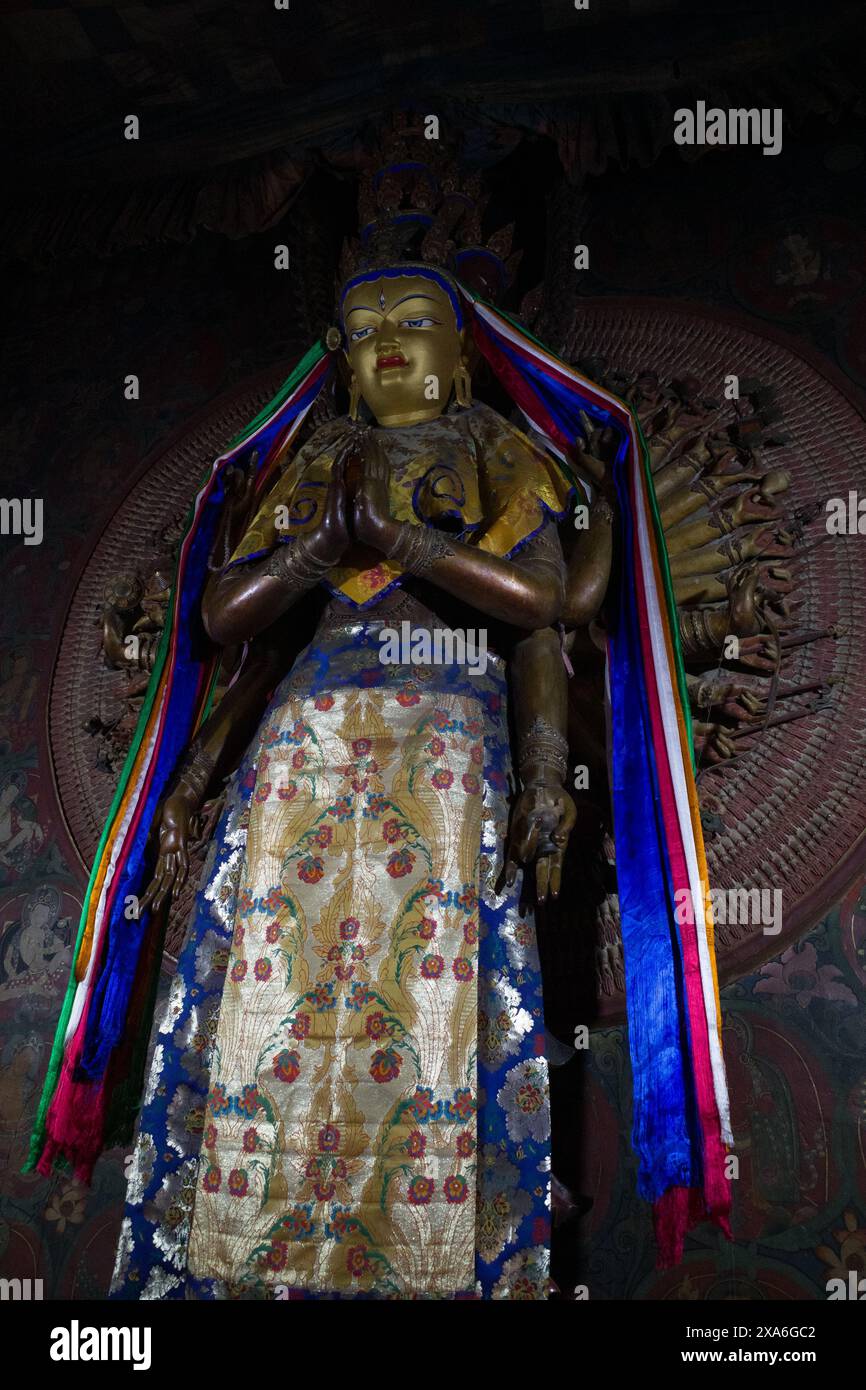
(793,814)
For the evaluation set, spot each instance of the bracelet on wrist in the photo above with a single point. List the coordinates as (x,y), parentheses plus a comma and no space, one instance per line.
(601,509)
(196,770)
(416,548)
(543,746)
(294,563)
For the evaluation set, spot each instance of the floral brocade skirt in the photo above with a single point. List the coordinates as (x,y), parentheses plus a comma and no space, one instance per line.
(348,1091)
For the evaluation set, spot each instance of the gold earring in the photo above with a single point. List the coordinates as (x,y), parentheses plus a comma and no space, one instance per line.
(462,384)
(354,398)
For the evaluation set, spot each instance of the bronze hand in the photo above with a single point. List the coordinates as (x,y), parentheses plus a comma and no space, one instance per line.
(239,485)
(542,821)
(330,539)
(172,865)
(243,601)
(544,813)
(493,585)
(594,459)
(213,755)
(372,522)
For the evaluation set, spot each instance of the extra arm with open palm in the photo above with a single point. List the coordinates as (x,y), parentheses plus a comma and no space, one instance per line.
(544,813)
(211,757)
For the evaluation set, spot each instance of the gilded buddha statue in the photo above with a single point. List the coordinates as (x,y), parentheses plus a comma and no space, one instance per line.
(348,1090)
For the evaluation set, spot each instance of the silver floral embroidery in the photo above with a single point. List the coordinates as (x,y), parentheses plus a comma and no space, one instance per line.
(154,1075)
(222,890)
(518,936)
(211,960)
(502,1204)
(544,1167)
(141,1169)
(124,1251)
(502,1021)
(184,1118)
(160,1283)
(173,1005)
(170,1211)
(525,1275)
(193,1040)
(525,1099)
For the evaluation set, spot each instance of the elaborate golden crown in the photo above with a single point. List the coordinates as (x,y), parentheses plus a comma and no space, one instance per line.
(414,208)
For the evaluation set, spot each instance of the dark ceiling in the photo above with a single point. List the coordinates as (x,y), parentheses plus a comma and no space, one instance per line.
(238,102)
(215,81)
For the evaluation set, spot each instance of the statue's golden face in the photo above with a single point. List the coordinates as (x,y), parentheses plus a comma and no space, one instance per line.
(403,346)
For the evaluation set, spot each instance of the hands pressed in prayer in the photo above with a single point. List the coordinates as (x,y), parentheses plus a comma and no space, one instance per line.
(372,521)
(331,538)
